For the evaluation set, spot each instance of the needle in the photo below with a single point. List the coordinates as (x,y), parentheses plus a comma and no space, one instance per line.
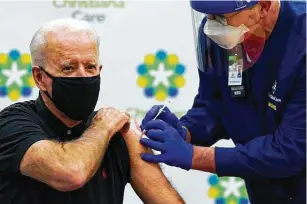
(160,111)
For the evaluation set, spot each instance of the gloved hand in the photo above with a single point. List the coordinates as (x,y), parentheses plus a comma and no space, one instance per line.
(164,138)
(166,116)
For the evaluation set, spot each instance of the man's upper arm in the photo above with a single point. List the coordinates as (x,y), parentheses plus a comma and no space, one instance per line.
(17,133)
(147,179)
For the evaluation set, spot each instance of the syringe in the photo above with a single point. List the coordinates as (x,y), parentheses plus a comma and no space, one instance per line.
(159,112)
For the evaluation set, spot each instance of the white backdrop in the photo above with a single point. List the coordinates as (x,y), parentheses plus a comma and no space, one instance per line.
(131,32)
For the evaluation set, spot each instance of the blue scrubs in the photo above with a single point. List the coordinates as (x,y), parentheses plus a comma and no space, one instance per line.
(268,124)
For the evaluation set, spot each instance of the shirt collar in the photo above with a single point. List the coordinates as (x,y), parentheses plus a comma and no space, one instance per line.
(60,130)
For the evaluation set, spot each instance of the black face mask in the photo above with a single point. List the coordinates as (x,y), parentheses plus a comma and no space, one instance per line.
(75,96)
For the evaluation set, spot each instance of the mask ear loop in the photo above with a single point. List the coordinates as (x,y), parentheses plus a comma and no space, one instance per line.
(50,76)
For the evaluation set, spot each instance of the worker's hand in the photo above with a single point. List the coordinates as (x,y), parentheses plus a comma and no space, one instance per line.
(166,116)
(111,119)
(164,138)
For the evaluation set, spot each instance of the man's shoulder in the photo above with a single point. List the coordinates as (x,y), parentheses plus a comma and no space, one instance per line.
(294,52)
(18,120)
(299,19)
(25,108)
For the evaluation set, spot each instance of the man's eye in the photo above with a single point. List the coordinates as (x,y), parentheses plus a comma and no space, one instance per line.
(91,66)
(67,68)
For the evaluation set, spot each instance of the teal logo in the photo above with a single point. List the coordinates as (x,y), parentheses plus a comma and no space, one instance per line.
(15,75)
(227,190)
(161,75)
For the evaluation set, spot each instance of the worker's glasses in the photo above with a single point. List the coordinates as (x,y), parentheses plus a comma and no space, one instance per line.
(219,18)
(223,19)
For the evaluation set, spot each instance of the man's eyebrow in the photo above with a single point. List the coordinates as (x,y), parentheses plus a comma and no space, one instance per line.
(66,62)
(90,61)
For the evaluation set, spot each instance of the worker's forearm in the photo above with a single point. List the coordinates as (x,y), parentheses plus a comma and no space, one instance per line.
(87,152)
(204,159)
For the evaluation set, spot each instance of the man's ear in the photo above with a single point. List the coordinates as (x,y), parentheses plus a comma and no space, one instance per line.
(38,78)
(100,68)
(265,7)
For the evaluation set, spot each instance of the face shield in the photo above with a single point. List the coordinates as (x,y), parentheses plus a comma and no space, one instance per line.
(209,25)
(202,43)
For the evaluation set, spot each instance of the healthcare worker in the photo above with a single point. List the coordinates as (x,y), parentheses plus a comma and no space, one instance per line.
(252,89)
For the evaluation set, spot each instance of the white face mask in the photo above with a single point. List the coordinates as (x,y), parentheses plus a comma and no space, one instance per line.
(226,37)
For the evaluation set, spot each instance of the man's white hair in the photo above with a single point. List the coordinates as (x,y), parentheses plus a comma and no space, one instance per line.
(39,40)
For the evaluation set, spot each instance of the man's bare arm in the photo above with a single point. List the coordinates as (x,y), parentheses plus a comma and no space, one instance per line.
(68,166)
(147,179)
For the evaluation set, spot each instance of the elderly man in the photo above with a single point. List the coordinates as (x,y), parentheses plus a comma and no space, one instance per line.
(56,149)
(252,89)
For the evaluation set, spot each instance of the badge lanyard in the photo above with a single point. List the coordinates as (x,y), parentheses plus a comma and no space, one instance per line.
(235,71)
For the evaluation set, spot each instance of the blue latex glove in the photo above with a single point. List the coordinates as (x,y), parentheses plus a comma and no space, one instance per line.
(166,116)
(164,138)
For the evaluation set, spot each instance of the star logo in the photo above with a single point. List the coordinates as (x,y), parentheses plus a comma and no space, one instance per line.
(15,75)
(227,190)
(161,75)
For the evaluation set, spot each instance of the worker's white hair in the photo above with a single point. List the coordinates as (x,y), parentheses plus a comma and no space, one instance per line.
(39,40)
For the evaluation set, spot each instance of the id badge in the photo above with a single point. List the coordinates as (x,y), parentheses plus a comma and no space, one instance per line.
(235,66)
(235,74)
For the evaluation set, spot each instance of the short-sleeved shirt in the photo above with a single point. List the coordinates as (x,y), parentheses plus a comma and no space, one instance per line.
(24,123)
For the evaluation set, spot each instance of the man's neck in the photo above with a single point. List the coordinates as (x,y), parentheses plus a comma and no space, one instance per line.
(57,113)
(272,17)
